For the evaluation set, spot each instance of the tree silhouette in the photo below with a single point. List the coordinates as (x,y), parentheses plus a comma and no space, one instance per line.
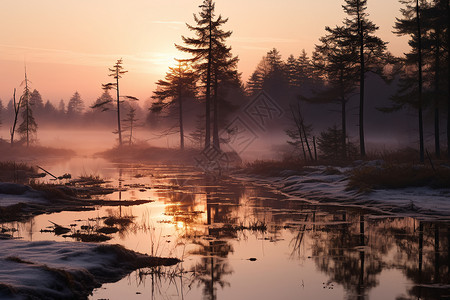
(178,85)
(75,106)
(336,61)
(331,147)
(37,102)
(28,127)
(371,50)
(16,108)
(130,124)
(299,71)
(224,73)
(411,89)
(116,72)
(211,59)
(271,75)
(1,111)
(300,134)
(62,106)
(435,24)
(448,80)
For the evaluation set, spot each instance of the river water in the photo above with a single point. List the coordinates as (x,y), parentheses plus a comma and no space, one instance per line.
(239,240)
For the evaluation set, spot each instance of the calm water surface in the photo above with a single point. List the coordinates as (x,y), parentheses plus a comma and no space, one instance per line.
(238,240)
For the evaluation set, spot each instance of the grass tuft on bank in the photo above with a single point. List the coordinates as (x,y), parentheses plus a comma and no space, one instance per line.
(397,176)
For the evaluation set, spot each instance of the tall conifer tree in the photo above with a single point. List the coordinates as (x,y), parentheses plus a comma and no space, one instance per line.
(211,59)
(371,51)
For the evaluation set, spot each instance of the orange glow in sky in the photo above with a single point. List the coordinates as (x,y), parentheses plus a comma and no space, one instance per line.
(69,45)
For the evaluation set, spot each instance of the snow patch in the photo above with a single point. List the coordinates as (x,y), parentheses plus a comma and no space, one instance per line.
(316,186)
(55,270)
(12,194)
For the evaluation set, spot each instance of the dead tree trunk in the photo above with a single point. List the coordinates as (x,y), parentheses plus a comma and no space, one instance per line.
(16,114)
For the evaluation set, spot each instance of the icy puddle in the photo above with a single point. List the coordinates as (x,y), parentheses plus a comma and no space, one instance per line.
(240,241)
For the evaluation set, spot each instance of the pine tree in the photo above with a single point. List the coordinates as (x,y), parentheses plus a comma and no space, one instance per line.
(130,123)
(275,78)
(224,73)
(75,106)
(254,83)
(293,71)
(116,72)
(1,111)
(336,62)
(62,107)
(371,51)
(448,79)
(330,145)
(28,127)
(37,102)
(435,28)
(211,59)
(50,111)
(179,84)
(305,71)
(105,101)
(411,84)
(270,75)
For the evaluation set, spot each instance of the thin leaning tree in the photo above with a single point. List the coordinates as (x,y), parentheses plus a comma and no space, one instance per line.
(116,72)
(16,115)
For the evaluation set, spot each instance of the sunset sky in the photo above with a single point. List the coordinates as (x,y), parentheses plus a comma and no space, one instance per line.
(69,45)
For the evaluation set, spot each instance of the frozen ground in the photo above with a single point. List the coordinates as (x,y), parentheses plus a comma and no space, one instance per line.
(11,194)
(55,270)
(318,186)
(18,201)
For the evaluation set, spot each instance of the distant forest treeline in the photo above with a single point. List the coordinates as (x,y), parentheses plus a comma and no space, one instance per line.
(74,113)
(348,90)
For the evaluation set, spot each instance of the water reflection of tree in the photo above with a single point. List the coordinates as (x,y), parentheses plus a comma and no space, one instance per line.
(341,252)
(430,264)
(213,246)
(213,267)
(354,254)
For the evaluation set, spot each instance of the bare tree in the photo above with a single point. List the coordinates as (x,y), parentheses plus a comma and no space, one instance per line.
(16,114)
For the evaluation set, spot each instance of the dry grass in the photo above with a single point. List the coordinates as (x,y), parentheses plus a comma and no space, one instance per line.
(396,176)
(11,171)
(122,221)
(150,154)
(274,167)
(53,191)
(405,155)
(22,152)
(12,213)
(89,237)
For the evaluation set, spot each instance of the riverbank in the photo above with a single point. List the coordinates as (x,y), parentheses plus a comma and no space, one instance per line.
(420,191)
(65,270)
